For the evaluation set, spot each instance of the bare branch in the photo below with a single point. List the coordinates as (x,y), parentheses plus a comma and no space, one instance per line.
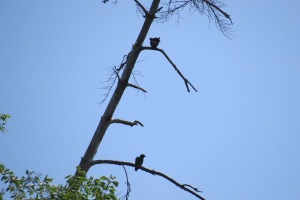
(134,86)
(128,185)
(114,162)
(129,84)
(142,7)
(146,13)
(121,121)
(134,73)
(211,8)
(123,61)
(162,51)
(115,2)
(196,189)
(111,81)
(159,9)
(115,70)
(219,9)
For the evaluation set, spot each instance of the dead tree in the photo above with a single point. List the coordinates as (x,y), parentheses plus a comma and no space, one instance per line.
(211,8)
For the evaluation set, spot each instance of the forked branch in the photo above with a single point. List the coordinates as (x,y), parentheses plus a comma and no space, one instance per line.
(196,189)
(182,186)
(162,51)
(142,7)
(146,13)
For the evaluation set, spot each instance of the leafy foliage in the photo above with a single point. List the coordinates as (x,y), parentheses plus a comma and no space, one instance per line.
(3,118)
(77,187)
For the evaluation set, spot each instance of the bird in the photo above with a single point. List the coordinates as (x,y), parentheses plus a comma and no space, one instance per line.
(139,161)
(154,42)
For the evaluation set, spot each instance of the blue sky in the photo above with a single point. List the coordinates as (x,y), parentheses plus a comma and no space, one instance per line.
(236,138)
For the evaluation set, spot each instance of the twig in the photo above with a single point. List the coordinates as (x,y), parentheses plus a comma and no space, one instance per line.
(142,7)
(128,185)
(111,80)
(115,70)
(196,189)
(114,162)
(211,8)
(219,9)
(123,62)
(147,14)
(158,10)
(162,51)
(121,121)
(137,87)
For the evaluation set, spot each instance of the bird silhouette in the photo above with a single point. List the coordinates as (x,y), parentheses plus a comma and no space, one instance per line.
(154,42)
(139,161)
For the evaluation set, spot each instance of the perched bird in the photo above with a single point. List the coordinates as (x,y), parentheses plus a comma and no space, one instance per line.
(154,42)
(139,161)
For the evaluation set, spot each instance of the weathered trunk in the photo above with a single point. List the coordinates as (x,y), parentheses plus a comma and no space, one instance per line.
(85,163)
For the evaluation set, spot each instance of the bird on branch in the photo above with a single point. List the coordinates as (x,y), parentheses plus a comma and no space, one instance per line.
(154,42)
(139,161)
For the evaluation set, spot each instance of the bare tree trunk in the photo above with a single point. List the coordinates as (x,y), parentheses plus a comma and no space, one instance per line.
(105,121)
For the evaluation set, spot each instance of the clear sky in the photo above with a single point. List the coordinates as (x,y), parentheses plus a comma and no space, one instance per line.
(237,138)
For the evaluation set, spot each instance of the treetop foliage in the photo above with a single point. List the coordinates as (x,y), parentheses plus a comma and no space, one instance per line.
(33,186)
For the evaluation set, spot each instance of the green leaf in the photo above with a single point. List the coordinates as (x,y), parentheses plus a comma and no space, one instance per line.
(103,178)
(9,172)
(116,183)
(112,190)
(2,167)
(68,176)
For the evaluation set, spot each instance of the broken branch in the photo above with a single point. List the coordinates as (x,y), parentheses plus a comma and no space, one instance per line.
(121,121)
